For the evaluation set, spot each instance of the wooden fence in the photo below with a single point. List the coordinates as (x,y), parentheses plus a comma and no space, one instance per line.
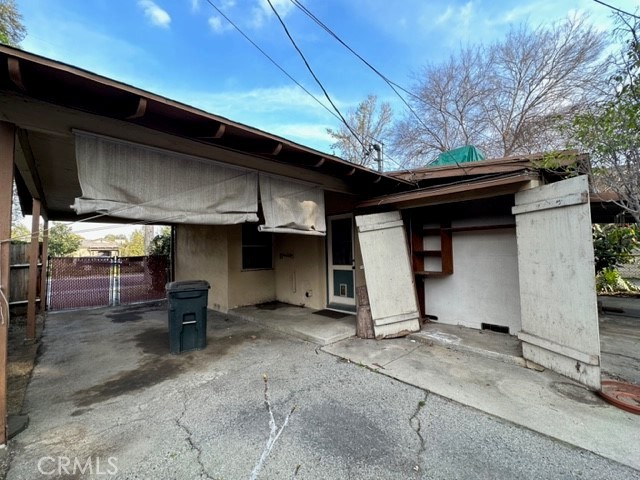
(19,277)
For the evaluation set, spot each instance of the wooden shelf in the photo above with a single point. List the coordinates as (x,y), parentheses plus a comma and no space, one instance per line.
(423,273)
(428,253)
(471,228)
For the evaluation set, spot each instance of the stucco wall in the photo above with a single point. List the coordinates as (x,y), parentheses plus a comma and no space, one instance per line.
(201,254)
(484,286)
(300,272)
(246,287)
(214,254)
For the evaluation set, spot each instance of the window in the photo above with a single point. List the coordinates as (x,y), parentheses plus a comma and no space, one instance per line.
(257,251)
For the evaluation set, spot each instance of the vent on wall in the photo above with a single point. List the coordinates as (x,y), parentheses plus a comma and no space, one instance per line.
(495,328)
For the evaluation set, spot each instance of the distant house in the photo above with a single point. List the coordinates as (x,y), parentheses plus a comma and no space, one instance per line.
(98,248)
(500,244)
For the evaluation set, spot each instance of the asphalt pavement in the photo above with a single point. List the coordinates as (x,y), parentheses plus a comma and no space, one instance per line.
(107,396)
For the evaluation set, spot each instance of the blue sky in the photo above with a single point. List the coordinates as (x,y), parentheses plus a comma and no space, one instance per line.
(184,50)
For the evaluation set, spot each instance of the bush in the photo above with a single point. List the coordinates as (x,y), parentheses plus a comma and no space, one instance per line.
(609,281)
(613,245)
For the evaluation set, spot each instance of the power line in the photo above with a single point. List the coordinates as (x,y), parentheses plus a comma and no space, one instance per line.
(315,77)
(393,85)
(616,9)
(277,65)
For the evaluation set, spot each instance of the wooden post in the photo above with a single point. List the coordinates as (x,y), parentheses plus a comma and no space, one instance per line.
(7,144)
(45,266)
(34,251)
(364,321)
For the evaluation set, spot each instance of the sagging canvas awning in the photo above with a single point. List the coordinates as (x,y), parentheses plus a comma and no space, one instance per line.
(129,180)
(291,207)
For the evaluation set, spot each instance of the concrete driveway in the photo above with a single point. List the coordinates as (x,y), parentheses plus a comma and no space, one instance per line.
(107,401)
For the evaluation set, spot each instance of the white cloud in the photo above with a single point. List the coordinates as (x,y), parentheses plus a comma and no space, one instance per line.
(156,15)
(233,103)
(262,11)
(195,5)
(218,24)
(445,16)
(304,132)
(466,12)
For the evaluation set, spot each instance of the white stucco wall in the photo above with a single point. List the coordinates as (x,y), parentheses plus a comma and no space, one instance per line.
(484,286)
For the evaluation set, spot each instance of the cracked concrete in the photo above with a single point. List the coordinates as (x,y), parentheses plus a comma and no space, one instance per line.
(207,418)
(189,439)
(416,425)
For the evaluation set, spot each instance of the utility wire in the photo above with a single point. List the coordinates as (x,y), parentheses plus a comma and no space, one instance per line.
(393,85)
(344,121)
(315,77)
(268,57)
(617,9)
(279,67)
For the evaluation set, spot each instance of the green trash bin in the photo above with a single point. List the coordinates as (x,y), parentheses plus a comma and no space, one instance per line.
(187,315)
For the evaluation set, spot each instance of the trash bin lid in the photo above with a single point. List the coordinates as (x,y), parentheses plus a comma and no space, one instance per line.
(185,285)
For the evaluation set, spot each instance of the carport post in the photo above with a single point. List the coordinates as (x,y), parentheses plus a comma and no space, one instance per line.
(34,251)
(45,266)
(7,144)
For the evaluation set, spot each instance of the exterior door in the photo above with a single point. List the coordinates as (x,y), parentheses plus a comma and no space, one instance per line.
(557,287)
(341,262)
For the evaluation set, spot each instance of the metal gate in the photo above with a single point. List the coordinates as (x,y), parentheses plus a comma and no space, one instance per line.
(81,282)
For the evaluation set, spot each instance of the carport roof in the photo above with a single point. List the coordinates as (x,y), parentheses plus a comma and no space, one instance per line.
(47,99)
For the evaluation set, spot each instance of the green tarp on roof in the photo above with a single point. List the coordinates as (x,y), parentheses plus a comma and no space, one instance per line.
(465,154)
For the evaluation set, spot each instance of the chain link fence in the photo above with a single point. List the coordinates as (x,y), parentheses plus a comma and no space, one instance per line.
(81,282)
(631,271)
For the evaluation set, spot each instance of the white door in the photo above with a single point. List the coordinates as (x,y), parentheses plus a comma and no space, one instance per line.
(341,262)
(557,279)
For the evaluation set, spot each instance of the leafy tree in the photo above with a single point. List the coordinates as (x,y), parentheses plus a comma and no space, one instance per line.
(134,246)
(370,121)
(20,233)
(614,245)
(161,244)
(113,238)
(506,98)
(12,31)
(62,240)
(610,131)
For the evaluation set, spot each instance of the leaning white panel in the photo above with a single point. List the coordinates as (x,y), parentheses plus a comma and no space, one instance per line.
(387,270)
(556,275)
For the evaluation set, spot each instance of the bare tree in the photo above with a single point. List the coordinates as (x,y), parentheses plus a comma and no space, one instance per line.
(12,31)
(506,98)
(610,131)
(370,121)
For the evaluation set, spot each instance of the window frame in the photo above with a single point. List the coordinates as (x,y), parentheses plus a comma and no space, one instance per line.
(250,244)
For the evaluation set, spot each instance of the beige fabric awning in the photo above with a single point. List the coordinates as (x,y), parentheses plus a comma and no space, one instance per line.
(291,207)
(128,180)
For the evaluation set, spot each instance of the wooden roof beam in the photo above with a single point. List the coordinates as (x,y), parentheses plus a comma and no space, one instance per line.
(15,74)
(140,110)
(27,166)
